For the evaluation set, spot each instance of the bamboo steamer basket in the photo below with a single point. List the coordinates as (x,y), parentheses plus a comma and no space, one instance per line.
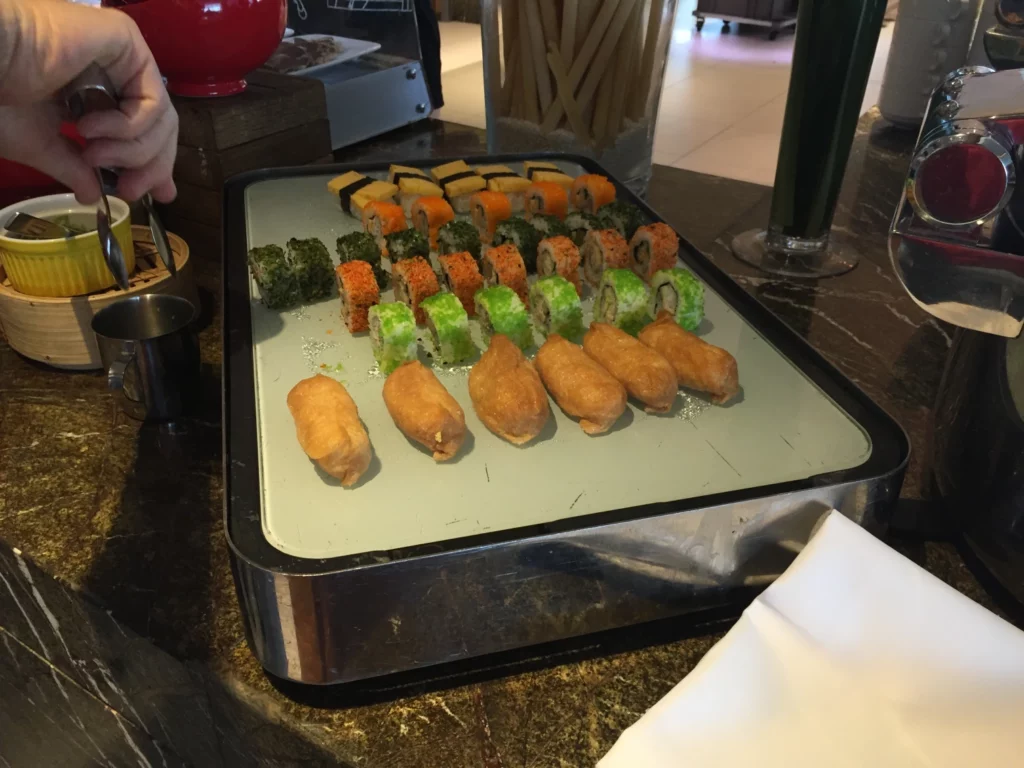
(58,331)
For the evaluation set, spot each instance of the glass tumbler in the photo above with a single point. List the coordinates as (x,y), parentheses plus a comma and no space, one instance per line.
(578,76)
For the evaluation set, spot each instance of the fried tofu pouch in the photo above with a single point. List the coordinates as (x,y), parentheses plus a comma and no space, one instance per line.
(580,386)
(422,408)
(698,365)
(645,374)
(507,392)
(328,427)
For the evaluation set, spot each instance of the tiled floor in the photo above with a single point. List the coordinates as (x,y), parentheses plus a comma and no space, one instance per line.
(723,100)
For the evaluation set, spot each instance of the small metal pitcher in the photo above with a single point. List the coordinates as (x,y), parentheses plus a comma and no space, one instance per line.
(151,354)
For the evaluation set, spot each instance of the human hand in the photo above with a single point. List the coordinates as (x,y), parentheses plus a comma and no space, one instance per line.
(44,45)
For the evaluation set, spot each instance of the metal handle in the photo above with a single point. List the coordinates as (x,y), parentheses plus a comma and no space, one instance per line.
(118,368)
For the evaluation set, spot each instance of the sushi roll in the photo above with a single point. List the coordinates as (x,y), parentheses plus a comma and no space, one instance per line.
(520,233)
(579,223)
(360,246)
(429,214)
(541,171)
(313,268)
(590,191)
(555,307)
(500,310)
(620,215)
(448,324)
(406,244)
(274,276)
(680,294)
(458,182)
(392,335)
(358,289)
(547,197)
(502,265)
(652,249)
(622,301)
(501,178)
(489,210)
(382,218)
(560,256)
(354,191)
(414,281)
(460,274)
(458,237)
(548,225)
(603,249)
(412,184)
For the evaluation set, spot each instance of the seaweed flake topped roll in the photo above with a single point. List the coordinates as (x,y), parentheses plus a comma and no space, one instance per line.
(500,310)
(579,223)
(560,256)
(412,184)
(549,226)
(458,236)
(357,287)
(448,324)
(274,276)
(502,265)
(354,191)
(603,249)
(538,170)
(653,248)
(360,246)
(407,244)
(622,216)
(460,274)
(459,182)
(414,281)
(590,191)
(622,301)
(555,307)
(681,294)
(311,263)
(519,232)
(392,335)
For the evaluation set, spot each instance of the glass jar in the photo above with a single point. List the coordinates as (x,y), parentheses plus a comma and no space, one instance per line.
(578,76)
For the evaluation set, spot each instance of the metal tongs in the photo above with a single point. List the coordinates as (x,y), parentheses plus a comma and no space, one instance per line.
(92,91)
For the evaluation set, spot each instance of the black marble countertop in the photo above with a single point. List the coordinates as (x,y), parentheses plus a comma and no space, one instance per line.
(130,516)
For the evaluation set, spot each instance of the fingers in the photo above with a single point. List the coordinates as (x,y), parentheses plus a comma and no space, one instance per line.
(63,162)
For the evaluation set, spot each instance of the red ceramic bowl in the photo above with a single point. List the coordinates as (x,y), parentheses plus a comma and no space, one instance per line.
(207,47)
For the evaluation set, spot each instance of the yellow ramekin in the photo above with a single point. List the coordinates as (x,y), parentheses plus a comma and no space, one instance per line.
(69,266)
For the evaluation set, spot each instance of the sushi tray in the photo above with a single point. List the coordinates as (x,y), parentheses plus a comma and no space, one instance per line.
(472,408)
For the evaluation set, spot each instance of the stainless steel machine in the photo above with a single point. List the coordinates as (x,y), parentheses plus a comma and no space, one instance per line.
(957,244)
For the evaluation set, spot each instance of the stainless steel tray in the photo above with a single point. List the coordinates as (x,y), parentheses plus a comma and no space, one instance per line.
(508,547)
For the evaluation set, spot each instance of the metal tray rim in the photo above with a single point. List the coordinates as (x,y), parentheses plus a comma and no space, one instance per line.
(889,456)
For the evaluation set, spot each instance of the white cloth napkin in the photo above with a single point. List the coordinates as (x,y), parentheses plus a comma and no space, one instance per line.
(854,657)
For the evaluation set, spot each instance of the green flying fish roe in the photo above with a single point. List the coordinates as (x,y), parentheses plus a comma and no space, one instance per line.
(449,325)
(549,226)
(361,246)
(681,293)
(623,216)
(579,223)
(407,244)
(556,307)
(392,335)
(505,313)
(622,300)
(311,263)
(523,236)
(274,276)
(457,236)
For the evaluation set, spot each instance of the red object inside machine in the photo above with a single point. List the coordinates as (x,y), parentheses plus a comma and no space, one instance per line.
(961,183)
